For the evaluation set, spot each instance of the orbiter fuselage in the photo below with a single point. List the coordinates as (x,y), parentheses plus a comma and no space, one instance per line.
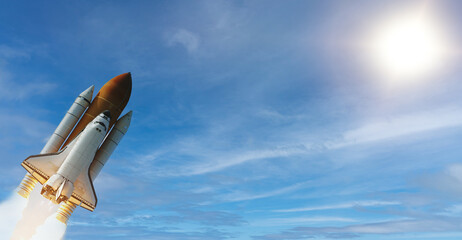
(67,170)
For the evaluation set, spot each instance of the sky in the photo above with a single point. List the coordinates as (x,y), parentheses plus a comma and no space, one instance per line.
(252,120)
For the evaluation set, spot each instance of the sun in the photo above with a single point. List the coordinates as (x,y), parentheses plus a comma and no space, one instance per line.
(408,47)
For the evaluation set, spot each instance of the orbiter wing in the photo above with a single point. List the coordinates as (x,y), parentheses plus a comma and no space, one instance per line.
(43,166)
(84,192)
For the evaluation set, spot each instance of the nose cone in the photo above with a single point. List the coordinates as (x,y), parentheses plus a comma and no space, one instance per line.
(87,95)
(124,122)
(120,87)
(107,113)
(123,81)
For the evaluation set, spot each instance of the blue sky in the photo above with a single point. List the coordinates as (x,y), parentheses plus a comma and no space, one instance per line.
(256,120)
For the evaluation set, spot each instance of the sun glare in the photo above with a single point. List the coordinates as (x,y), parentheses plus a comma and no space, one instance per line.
(409,47)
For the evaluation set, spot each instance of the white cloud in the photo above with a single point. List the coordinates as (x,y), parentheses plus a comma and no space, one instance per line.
(299,220)
(221,163)
(24,126)
(107,182)
(399,126)
(200,148)
(447,181)
(424,225)
(340,206)
(10,88)
(239,196)
(454,210)
(353,231)
(185,38)
(7,52)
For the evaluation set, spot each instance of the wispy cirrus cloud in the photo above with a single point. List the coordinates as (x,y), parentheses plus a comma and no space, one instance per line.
(208,218)
(241,196)
(447,181)
(10,90)
(8,53)
(410,212)
(180,222)
(294,221)
(437,224)
(23,126)
(11,86)
(206,160)
(401,125)
(187,39)
(221,163)
(151,231)
(363,203)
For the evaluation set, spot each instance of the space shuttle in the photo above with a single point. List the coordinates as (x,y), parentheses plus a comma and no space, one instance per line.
(79,148)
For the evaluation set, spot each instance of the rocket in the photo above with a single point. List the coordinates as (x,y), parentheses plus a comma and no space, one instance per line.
(79,148)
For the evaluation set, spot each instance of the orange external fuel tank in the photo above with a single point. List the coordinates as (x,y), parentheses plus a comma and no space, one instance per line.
(113,96)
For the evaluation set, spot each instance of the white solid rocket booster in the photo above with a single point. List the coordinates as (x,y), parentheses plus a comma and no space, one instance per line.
(70,119)
(110,144)
(63,130)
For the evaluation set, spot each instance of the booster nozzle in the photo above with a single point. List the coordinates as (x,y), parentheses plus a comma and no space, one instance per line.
(65,211)
(27,185)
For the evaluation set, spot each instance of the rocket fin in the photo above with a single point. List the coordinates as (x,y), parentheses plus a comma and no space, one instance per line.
(43,166)
(84,192)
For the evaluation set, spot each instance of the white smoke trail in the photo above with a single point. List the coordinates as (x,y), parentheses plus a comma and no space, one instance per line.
(52,229)
(10,213)
(37,211)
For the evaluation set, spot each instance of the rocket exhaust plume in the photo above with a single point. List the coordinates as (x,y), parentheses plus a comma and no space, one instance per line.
(10,214)
(52,229)
(35,214)
(33,218)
